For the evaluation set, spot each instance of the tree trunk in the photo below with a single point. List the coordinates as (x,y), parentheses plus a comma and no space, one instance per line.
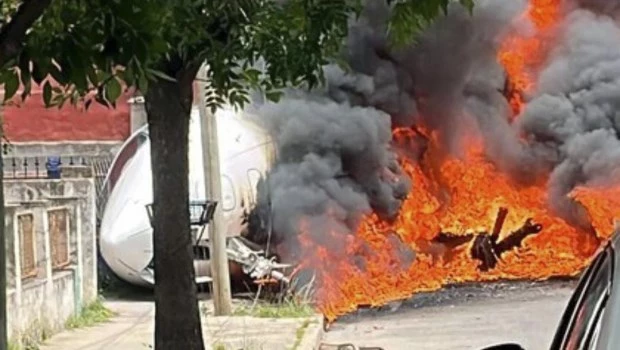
(177,318)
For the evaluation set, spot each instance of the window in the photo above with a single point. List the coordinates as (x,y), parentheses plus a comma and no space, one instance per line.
(124,156)
(27,246)
(58,225)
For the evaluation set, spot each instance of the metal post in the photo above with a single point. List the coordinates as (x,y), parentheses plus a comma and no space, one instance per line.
(222,298)
(3,314)
(137,113)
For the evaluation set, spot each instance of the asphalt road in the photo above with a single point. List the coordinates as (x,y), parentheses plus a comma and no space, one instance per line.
(461,318)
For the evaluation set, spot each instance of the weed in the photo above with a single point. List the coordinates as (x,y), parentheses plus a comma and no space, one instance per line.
(90,315)
(245,346)
(14,346)
(219,346)
(285,309)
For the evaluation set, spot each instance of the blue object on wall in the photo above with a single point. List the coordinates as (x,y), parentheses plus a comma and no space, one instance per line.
(53,166)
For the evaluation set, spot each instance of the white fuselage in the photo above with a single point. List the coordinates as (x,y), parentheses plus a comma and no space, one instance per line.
(246,153)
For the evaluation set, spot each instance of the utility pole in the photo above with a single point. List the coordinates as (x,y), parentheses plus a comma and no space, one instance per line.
(222,298)
(3,314)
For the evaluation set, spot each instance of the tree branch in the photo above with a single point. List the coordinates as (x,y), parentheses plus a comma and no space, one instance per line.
(13,34)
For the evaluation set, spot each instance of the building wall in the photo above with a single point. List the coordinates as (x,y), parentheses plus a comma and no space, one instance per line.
(42,301)
(30,121)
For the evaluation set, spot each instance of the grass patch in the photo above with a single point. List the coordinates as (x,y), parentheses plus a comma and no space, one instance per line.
(14,346)
(37,332)
(286,309)
(219,346)
(90,315)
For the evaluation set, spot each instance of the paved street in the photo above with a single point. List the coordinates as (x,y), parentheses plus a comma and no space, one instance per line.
(462,319)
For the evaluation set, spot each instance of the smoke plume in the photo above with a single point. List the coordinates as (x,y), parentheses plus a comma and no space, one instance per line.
(335,161)
(334,165)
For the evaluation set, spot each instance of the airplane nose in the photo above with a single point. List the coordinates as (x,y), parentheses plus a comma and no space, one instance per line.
(133,218)
(127,237)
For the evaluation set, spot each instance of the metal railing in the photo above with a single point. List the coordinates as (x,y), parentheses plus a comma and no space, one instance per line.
(50,167)
(28,167)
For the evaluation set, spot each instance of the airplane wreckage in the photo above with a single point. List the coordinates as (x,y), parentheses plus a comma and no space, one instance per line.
(246,153)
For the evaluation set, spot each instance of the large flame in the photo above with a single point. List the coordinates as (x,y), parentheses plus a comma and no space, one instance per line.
(370,270)
(372,267)
(521,55)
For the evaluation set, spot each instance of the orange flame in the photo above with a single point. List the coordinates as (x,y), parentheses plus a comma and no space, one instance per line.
(522,55)
(603,205)
(459,196)
(370,271)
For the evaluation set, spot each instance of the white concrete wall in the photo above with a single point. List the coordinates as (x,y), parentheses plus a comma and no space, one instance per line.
(40,306)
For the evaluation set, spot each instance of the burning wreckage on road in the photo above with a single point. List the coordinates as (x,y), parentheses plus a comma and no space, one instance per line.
(490,148)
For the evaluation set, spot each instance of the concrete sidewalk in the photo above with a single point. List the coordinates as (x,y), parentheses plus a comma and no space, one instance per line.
(132,329)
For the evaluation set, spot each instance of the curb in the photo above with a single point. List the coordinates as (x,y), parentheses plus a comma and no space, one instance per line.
(313,335)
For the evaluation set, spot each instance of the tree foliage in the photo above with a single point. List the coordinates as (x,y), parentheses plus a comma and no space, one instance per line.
(95,48)
(82,51)
(410,17)
(92,47)
(82,46)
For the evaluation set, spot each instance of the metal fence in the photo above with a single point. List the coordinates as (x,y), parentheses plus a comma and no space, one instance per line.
(101,166)
(24,168)
(36,167)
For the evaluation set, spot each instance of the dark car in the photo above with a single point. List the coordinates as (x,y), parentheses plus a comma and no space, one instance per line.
(591,320)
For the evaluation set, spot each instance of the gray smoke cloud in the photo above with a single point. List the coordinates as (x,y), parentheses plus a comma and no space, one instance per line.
(607,7)
(335,160)
(451,80)
(334,165)
(424,83)
(570,124)
(575,110)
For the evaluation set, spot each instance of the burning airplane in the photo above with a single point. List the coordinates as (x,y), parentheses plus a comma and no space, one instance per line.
(126,232)
(488,149)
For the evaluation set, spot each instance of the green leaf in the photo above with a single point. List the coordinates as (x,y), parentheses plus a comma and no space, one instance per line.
(47,93)
(469,5)
(143,84)
(78,77)
(58,75)
(24,69)
(161,75)
(11,84)
(113,90)
(274,95)
(128,75)
(92,75)
(39,72)
(27,89)
(252,76)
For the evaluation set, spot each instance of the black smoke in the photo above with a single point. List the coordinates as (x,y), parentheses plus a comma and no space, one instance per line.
(335,164)
(335,161)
